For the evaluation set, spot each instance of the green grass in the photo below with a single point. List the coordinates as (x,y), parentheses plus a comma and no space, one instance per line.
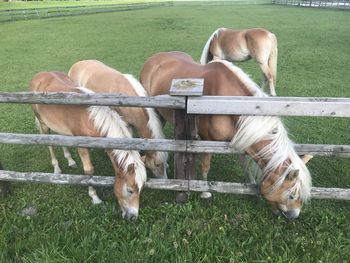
(46,4)
(314,56)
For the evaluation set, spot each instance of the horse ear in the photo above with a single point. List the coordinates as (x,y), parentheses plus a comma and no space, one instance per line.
(293,174)
(306,158)
(131,168)
(143,158)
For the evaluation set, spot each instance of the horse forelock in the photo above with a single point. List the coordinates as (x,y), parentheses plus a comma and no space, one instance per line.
(154,124)
(126,158)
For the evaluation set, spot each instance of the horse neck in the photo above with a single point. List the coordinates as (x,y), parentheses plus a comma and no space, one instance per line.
(266,160)
(265,139)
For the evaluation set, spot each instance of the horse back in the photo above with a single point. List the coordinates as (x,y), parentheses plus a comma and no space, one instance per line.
(159,70)
(63,119)
(100,78)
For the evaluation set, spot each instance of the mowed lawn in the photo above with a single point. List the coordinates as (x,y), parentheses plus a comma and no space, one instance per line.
(314,55)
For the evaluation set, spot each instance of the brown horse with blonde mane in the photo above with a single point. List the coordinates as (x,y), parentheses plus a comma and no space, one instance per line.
(242,45)
(95,121)
(100,78)
(285,180)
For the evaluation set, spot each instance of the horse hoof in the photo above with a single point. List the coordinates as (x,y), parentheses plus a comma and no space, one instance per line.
(73,165)
(96,201)
(57,170)
(206,195)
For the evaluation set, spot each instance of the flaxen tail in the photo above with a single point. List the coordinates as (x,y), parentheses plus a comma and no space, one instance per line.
(206,55)
(273,57)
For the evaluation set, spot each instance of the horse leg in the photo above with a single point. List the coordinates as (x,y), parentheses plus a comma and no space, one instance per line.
(68,156)
(89,170)
(46,130)
(205,166)
(268,77)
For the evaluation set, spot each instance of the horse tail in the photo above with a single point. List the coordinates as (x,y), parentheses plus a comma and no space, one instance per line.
(273,57)
(206,55)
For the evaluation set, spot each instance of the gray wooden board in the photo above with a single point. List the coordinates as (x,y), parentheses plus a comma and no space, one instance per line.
(102,99)
(191,146)
(287,106)
(162,184)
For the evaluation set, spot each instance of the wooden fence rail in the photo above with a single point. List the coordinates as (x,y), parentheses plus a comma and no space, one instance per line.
(101,99)
(158,144)
(282,106)
(163,184)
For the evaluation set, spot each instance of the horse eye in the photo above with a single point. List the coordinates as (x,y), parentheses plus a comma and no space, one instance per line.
(291,197)
(130,191)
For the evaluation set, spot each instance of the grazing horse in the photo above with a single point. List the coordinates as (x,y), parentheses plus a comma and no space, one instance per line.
(241,45)
(285,180)
(100,78)
(95,121)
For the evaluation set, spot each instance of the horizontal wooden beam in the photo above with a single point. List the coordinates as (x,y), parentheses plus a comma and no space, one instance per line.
(274,106)
(162,184)
(158,144)
(102,99)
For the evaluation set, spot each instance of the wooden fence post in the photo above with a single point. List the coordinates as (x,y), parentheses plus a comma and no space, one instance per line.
(185,129)
(4,188)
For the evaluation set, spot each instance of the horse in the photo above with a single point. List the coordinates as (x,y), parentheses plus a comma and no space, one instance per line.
(285,181)
(242,45)
(98,77)
(95,121)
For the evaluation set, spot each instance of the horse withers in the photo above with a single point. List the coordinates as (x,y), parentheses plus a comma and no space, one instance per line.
(95,121)
(242,45)
(98,77)
(285,181)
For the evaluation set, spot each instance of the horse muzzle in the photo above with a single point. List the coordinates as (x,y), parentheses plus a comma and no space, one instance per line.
(130,214)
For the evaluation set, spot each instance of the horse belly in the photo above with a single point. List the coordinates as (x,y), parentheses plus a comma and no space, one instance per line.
(239,55)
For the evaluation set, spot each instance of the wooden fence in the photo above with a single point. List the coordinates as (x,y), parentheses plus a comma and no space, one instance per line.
(325,107)
(344,4)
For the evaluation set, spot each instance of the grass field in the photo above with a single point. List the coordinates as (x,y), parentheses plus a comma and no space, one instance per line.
(45,4)
(314,55)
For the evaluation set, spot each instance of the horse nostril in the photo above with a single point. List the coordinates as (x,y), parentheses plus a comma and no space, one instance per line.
(132,218)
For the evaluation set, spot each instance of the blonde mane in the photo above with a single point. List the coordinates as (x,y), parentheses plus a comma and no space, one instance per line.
(111,125)
(252,129)
(154,123)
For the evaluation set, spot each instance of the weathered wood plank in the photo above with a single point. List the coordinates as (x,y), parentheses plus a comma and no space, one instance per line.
(94,142)
(185,129)
(287,106)
(192,146)
(162,184)
(4,186)
(102,99)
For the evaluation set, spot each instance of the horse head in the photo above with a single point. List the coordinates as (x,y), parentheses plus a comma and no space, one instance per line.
(285,189)
(157,163)
(130,176)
